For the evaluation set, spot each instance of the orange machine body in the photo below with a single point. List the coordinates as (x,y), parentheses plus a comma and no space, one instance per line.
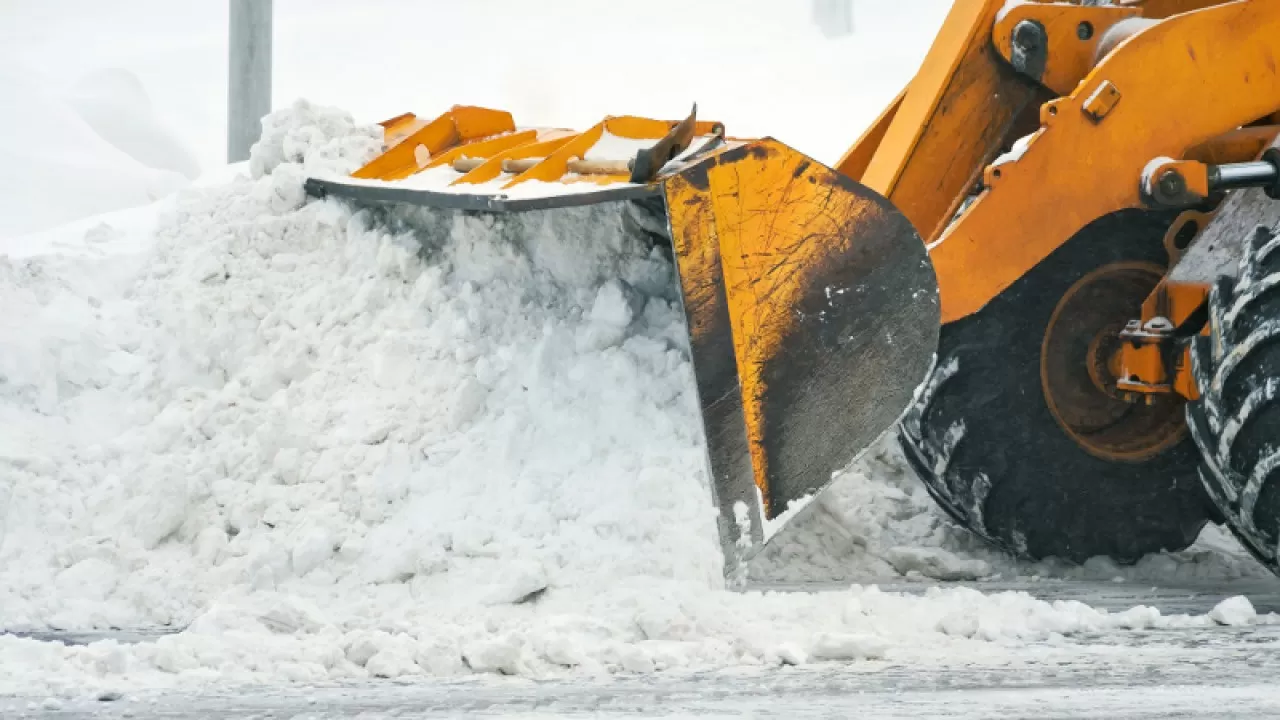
(1005,146)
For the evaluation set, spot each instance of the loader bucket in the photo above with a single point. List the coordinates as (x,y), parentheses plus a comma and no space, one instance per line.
(811,303)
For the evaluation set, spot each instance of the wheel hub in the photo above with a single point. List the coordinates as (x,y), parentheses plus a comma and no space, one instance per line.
(1078,367)
(1103,360)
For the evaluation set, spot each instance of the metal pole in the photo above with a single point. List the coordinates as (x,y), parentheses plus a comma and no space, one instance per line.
(249,75)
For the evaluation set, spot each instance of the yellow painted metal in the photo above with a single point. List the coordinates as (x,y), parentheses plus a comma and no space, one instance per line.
(1239,145)
(1165,8)
(492,168)
(1144,369)
(1209,72)
(1184,229)
(460,125)
(953,119)
(1101,101)
(966,25)
(484,148)
(767,243)
(415,144)
(556,163)
(761,191)
(400,127)
(856,159)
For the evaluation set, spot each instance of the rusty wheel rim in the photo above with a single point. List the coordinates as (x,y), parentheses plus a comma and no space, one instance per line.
(1077,368)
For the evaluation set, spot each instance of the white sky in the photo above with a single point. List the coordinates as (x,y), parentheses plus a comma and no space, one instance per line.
(761,66)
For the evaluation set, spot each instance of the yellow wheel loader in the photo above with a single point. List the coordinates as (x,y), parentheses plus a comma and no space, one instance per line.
(1051,266)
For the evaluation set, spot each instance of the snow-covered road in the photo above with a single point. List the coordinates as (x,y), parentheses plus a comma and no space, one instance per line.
(1055,689)
(1202,673)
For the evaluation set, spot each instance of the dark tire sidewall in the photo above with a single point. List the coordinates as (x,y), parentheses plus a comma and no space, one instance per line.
(1049,496)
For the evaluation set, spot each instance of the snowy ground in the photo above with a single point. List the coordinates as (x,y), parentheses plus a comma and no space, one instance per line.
(1193,673)
(320,448)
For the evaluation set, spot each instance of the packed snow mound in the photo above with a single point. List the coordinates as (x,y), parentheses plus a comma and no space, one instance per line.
(55,167)
(332,444)
(298,396)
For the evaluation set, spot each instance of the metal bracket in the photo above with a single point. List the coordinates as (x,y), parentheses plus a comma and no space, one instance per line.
(1055,44)
(1181,183)
(1143,355)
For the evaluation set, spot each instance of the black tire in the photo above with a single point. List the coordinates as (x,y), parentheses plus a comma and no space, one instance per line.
(984,441)
(1236,421)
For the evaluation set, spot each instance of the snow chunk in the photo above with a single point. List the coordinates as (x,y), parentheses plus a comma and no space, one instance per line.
(499,654)
(847,646)
(321,139)
(633,658)
(612,311)
(1234,611)
(312,550)
(363,646)
(936,563)
(161,511)
(613,306)
(392,663)
(521,583)
(791,654)
(467,402)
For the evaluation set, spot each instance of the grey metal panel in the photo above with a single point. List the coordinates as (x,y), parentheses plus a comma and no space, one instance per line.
(459,201)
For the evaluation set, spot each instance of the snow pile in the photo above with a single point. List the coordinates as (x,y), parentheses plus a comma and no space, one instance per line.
(61,160)
(288,394)
(1234,611)
(334,446)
